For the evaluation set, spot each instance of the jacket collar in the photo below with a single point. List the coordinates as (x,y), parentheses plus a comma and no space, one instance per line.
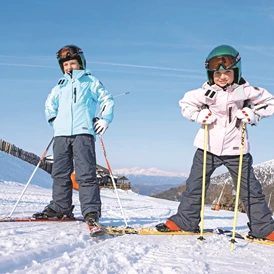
(77,74)
(217,88)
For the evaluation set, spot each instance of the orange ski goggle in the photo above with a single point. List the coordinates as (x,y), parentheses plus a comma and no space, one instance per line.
(68,52)
(226,61)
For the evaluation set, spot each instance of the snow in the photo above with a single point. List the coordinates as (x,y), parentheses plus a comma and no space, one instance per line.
(63,248)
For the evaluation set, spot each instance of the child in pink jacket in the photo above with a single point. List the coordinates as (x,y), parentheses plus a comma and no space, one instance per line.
(223,103)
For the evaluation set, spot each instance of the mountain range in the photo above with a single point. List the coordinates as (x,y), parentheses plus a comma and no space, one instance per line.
(264,173)
(149,172)
(152,180)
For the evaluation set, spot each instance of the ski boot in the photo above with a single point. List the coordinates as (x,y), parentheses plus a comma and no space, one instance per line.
(50,213)
(269,237)
(167,227)
(92,219)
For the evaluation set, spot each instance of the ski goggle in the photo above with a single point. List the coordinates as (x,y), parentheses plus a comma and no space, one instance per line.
(66,52)
(226,61)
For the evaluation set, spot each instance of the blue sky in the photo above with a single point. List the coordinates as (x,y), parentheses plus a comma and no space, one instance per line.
(153,49)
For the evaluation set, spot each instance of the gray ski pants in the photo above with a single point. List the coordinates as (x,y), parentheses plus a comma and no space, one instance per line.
(188,214)
(81,148)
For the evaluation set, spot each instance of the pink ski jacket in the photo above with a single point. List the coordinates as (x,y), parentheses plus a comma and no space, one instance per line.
(224,138)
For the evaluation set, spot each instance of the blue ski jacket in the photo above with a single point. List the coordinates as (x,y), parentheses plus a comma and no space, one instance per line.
(71,105)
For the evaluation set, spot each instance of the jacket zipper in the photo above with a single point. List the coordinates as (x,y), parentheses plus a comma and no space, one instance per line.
(74,95)
(72,81)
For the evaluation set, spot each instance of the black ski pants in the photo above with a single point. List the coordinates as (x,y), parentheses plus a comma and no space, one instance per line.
(188,214)
(81,149)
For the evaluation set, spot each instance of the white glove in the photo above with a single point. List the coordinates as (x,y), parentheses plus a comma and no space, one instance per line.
(205,116)
(247,116)
(100,126)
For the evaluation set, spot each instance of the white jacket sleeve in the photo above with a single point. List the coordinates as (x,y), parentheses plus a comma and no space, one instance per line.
(263,102)
(190,104)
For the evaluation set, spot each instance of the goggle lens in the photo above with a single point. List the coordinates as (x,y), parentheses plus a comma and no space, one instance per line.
(226,61)
(68,52)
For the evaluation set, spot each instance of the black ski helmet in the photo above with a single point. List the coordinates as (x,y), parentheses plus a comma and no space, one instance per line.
(221,58)
(71,52)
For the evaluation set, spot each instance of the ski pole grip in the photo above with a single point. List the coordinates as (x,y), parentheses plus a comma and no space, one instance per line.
(238,122)
(95,119)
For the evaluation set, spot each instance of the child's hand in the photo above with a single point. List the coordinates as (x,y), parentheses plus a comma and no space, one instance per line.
(247,115)
(205,116)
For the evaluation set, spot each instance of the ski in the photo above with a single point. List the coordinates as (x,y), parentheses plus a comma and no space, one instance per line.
(245,237)
(119,231)
(100,230)
(228,233)
(114,230)
(94,231)
(259,241)
(31,219)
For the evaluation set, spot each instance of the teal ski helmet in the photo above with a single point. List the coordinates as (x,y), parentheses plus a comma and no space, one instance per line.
(221,58)
(71,52)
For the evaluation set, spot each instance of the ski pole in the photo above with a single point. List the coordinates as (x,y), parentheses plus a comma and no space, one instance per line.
(112,179)
(221,194)
(121,94)
(107,162)
(219,199)
(233,241)
(201,238)
(41,159)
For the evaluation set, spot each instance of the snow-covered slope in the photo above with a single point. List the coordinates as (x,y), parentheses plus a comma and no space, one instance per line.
(17,170)
(66,248)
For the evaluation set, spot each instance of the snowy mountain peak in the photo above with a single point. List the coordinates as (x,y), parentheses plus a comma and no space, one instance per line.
(148,172)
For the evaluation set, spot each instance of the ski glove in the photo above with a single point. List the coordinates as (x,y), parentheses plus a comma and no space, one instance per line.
(100,126)
(247,116)
(205,116)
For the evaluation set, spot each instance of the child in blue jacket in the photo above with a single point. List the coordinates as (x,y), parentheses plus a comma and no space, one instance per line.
(70,108)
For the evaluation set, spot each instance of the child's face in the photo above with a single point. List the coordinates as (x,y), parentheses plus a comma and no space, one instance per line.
(71,65)
(223,77)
